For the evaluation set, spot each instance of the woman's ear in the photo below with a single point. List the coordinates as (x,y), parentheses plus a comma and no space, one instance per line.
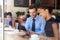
(46,10)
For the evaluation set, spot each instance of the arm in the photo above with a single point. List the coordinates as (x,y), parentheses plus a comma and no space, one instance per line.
(27,25)
(13,23)
(55,30)
(42,29)
(43,22)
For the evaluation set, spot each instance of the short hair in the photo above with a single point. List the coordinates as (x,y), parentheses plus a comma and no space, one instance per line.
(9,13)
(50,9)
(18,15)
(33,6)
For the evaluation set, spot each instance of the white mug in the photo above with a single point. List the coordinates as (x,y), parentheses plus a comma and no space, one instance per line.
(16,25)
(34,37)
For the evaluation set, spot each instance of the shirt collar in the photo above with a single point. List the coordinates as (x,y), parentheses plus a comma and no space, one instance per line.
(35,17)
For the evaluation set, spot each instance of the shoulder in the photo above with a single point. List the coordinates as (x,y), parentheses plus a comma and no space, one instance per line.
(52,19)
(41,18)
(29,18)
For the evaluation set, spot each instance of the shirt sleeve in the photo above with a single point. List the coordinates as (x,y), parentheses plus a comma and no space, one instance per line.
(27,24)
(42,31)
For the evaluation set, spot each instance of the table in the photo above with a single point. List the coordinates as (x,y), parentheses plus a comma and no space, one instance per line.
(11,35)
(16,37)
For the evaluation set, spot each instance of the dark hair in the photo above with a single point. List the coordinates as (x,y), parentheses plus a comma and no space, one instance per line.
(32,6)
(18,15)
(50,9)
(9,13)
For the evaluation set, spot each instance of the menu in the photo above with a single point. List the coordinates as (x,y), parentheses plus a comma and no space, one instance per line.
(21,3)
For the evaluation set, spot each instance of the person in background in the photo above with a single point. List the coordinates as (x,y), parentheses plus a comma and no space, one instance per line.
(51,27)
(35,24)
(7,13)
(8,21)
(20,23)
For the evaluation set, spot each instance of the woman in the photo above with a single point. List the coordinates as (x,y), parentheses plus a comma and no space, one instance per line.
(51,28)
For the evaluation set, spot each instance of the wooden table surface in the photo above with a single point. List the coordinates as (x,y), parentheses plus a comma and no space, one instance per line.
(13,36)
(18,37)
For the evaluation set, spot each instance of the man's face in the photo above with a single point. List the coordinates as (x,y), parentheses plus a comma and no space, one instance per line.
(42,12)
(20,18)
(33,12)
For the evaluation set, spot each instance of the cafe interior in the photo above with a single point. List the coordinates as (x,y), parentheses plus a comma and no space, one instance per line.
(18,11)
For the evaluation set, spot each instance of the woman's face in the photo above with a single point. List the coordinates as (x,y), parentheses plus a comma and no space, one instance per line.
(42,12)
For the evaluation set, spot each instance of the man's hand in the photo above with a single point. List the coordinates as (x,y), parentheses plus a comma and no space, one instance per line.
(31,32)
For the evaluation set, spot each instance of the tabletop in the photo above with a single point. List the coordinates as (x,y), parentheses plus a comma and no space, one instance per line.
(13,35)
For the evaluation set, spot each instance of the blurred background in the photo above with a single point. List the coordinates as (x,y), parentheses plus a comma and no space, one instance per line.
(14,8)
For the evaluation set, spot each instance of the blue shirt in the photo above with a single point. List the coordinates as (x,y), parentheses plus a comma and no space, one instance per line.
(39,24)
(10,22)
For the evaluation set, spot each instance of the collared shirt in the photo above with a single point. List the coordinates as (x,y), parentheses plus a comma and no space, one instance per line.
(39,24)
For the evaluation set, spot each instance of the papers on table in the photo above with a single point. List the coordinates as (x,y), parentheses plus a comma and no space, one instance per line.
(8,29)
(11,30)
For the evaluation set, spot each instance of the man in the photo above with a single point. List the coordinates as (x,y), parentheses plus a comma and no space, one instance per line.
(34,24)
